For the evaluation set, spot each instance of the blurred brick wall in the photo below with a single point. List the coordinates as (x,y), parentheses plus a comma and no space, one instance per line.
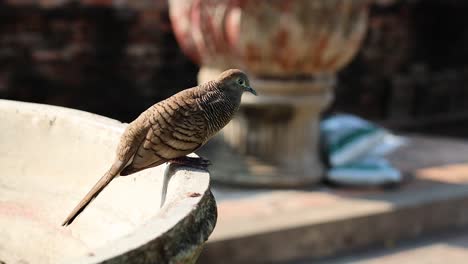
(117,57)
(114,58)
(412,69)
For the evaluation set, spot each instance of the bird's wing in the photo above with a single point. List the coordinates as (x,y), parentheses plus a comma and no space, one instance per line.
(177,127)
(133,137)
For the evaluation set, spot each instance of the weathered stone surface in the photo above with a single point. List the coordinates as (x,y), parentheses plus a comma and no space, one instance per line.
(49,158)
(291,51)
(287,38)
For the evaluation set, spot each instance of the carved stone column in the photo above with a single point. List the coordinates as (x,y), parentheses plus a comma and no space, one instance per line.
(291,50)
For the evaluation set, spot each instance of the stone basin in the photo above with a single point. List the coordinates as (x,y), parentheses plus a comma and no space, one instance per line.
(51,156)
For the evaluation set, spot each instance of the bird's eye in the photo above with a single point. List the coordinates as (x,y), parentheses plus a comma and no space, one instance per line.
(240,81)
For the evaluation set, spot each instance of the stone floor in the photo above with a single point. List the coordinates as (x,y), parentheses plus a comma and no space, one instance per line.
(278,226)
(441,249)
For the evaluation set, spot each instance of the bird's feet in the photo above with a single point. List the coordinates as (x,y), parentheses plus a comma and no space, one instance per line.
(199,163)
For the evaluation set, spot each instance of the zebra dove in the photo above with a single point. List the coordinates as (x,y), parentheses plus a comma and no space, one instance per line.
(174,128)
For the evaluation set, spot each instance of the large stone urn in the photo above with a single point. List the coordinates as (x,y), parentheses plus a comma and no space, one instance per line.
(291,50)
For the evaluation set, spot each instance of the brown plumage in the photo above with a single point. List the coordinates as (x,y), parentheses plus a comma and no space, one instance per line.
(173,128)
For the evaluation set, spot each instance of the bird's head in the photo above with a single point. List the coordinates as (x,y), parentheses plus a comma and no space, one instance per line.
(236,81)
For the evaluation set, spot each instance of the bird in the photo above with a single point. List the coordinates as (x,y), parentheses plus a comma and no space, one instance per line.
(173,128)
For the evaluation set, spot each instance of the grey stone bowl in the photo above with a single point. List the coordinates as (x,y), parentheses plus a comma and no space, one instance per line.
(51,156)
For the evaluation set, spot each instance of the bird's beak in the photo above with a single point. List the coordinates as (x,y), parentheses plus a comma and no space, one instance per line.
(250,89)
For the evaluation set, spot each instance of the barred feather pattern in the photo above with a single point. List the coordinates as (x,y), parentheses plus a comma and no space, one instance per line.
(170,129)
(181,124)
(218,107)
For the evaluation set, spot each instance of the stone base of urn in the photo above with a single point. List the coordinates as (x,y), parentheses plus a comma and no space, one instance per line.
(274,139)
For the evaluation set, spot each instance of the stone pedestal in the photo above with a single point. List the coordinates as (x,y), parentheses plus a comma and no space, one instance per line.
(291,51)
(273,139)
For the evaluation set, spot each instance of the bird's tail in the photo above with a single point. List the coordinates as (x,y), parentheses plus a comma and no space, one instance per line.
(94,192)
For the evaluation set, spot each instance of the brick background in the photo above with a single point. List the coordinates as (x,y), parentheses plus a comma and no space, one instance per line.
(118,57)
(411,71)
(100,56)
